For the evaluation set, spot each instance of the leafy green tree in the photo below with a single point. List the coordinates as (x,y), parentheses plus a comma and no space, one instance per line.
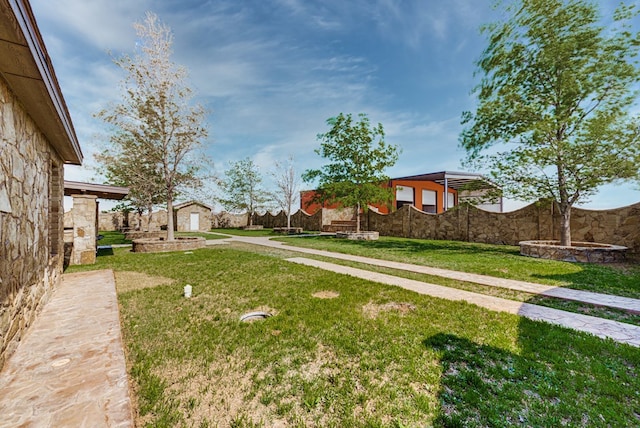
(242,187)
(156,128)
(556,90)
(358,156)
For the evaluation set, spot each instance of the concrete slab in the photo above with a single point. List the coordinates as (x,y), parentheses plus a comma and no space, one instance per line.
(70,369)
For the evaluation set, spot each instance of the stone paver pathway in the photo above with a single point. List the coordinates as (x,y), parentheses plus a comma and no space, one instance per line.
(69,370)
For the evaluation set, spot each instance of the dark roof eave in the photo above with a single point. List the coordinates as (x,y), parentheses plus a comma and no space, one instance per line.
(27,69)
(103,191)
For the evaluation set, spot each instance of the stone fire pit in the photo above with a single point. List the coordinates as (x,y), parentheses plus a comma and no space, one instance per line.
(583,252)
(181,243)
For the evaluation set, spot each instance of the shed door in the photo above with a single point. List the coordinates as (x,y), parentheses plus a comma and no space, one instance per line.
(194,224)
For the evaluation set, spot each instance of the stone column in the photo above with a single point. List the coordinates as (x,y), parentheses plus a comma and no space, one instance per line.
(84,230)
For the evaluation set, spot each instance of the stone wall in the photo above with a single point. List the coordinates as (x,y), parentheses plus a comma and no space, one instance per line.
(84,214)
(31,221)
(299,219)
(122,221)
(540,220)
(620,226)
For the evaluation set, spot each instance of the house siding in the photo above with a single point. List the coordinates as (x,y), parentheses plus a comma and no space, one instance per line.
(31,220)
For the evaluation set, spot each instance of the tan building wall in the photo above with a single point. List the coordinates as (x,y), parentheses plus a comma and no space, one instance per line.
(183,218)
(31,220)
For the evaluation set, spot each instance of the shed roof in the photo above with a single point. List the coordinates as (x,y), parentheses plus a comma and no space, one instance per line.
(186,204)
(26,67)
(103,191)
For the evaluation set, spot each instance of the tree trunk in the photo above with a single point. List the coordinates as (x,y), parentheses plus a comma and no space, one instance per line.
(358,218)
(289,220)
(250,218)
(170,235)
(565,226)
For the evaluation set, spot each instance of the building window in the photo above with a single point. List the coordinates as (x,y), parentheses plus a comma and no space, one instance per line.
(55,208)
(429,198)
(404,196)
(451,200)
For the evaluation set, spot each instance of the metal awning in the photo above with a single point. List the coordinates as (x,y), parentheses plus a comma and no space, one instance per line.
(103,191)
(453,180)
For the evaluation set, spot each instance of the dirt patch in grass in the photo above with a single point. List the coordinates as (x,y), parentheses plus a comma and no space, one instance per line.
(129,281)
(372,310)
(326,294)
(217,393)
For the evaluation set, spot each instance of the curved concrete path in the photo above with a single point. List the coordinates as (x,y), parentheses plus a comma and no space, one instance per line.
(70,370)
(618,331)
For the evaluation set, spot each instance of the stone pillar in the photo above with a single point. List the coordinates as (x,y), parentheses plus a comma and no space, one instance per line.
(84,230)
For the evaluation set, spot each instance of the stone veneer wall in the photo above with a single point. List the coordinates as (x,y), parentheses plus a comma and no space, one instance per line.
(31,221)
(182,219)
(84,230)
(538,221)
(299,219)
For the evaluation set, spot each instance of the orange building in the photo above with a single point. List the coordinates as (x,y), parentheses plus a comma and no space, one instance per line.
(424,191)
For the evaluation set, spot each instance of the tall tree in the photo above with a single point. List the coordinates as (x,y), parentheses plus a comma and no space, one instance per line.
(157,128)
(242,187)
(556,90)
(358,156)
(127,168)
(288,184)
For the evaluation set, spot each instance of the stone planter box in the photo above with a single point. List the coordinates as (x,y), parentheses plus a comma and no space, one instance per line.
(583,252)
(287,230)
(162,246)
(131,235)
(359,236)
(253,227)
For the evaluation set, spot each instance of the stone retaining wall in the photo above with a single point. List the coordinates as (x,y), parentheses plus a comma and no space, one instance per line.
(31,221)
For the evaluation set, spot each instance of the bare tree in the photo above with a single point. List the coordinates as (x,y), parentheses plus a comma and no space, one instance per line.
(155,122)
(288,184)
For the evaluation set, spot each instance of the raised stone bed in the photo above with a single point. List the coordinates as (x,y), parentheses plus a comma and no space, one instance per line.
(359,236)
(181,243)
(583,252)
(288,230)
(253,227)
(136,234)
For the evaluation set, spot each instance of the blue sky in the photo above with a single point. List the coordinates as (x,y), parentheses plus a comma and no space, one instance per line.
(271,72)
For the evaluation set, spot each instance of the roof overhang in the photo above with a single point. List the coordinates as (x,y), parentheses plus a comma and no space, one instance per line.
(103,191)
(453,180)
(27,69)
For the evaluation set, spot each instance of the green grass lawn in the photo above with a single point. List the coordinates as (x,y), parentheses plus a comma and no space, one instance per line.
(112,238)
(242,232)
(345,352)
(494,260)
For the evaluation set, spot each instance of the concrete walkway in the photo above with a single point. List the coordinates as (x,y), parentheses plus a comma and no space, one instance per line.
(70,371)
(620,332)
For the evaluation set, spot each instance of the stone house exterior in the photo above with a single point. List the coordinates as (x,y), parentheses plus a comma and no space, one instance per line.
(192,216)
(37,139)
